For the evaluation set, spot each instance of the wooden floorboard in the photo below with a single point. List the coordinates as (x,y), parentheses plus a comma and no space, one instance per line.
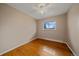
(41,47)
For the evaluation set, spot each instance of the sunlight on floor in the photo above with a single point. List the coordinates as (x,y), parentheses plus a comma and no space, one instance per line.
(47,51)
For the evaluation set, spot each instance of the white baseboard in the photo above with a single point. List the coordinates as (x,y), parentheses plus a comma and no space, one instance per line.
(17,46)
(51,39)
(71,49)
(40,38)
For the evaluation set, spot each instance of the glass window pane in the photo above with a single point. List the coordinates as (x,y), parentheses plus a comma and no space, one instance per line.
(50,25)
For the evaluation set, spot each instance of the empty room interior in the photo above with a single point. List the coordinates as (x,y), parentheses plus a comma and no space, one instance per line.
(39,29)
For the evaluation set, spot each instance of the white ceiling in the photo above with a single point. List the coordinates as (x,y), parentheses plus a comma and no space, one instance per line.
(54,10)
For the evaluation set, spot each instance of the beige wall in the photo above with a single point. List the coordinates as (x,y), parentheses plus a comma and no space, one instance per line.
(59,34)
(15,28)
(73,26)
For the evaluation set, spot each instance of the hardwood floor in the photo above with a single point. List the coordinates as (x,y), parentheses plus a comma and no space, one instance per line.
(40,47)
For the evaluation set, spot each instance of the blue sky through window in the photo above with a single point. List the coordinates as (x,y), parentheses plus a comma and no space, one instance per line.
(50,25)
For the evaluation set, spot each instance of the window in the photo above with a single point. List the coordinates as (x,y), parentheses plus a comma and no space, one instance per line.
(50,25)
